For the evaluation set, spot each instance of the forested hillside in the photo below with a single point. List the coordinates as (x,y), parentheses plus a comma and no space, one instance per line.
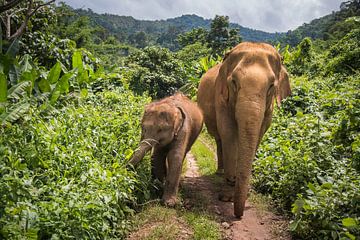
(72,93)
(163,32)
(329,27)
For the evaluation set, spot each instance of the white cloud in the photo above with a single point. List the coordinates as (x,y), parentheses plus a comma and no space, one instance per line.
(275,15)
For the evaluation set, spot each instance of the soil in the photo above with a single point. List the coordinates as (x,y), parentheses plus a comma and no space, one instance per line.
(254,225)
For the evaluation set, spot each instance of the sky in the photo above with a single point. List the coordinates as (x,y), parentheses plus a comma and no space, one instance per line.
(266,15)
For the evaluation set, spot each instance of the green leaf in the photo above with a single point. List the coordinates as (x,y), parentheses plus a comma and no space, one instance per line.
(25,63)
(3,87)
(13,49)
(14,75)
(349,235)
(83,77)
(77,61)
(16,112)
(44,85)
(297,206)
(327,185)
(311,187)
(18,91)
(55,96)
(84,93)
(349,222)
(63,84)
(29,76)
(54,73)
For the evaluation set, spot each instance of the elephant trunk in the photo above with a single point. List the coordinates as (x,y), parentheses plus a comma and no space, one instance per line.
(249,116)
(145,146)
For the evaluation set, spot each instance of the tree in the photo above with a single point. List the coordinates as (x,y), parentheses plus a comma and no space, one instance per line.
(156,71)
(169,38)
(220,36)
(138,39)
(196,35)
(17,14)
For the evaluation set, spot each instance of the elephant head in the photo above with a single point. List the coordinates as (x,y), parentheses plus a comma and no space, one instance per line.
(250,78)
(160,124)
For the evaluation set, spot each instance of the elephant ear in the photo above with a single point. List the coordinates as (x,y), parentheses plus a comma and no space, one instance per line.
(283,86)
(179,120)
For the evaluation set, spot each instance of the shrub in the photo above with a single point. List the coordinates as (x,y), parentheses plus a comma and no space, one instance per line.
(63,175)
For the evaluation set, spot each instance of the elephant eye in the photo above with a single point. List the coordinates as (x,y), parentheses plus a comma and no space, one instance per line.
(159,130)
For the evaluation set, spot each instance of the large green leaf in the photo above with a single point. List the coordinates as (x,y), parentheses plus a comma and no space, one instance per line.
(63,84)
(77,61)
(54,96)
(14,75)
(18,91)
(25,64)
(83,77)
(349,222)
(3,87)
(54,73)
(15,112)
(44,85)
(14,48)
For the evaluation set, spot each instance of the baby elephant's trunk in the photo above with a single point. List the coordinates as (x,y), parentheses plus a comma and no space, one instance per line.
(145,146)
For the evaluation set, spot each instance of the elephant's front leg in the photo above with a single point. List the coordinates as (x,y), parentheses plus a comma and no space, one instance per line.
(175,160)
(158,163)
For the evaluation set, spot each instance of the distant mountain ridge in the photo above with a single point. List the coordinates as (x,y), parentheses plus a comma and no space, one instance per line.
(165,32)
(126,25)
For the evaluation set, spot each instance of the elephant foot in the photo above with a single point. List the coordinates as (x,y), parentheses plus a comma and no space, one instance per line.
(226,197)
(227,194)
(220,172)
(170,201)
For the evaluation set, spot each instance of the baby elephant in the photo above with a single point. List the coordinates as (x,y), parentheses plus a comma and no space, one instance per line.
(170,126)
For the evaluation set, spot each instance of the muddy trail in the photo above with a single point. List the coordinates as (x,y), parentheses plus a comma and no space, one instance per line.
(256,224)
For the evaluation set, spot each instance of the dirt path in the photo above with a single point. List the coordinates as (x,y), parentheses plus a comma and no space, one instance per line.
(255,224)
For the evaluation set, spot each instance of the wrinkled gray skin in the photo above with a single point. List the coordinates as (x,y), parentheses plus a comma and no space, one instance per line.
(237,98)
(169,126)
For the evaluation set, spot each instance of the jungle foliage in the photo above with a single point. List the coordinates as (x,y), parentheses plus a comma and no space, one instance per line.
(71,101)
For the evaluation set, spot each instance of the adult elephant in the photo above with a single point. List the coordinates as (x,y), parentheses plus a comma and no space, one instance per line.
(237,100)
(170,127)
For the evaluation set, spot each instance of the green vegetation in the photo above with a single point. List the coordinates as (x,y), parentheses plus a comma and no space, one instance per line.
(141,33)
(158,222)
(72,91)
(204,158)
(329,28)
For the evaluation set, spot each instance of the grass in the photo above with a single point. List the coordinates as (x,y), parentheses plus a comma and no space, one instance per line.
(203,226)
(204,158)
(158,222)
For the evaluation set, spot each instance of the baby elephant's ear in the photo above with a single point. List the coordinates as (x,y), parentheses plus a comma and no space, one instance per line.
(179,120)
(283,86)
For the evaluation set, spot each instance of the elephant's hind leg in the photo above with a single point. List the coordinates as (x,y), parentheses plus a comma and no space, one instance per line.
(220,163)
(158,163)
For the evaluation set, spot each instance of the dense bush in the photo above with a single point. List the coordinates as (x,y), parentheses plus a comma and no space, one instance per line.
(156,71)
(63,175)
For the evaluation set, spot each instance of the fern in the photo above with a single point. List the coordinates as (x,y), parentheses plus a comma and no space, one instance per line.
(15,112)
(18,91)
